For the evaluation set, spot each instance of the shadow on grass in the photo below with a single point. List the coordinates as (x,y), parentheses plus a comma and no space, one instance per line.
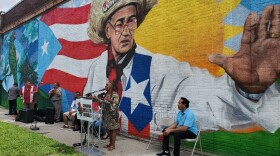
(63,149)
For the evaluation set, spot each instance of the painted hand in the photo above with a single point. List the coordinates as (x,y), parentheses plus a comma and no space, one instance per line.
(256,65)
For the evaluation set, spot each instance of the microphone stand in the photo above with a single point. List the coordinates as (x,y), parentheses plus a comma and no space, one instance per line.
(90,94)
(35,128)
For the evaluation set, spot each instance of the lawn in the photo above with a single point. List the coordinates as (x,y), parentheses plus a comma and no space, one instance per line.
(18,141)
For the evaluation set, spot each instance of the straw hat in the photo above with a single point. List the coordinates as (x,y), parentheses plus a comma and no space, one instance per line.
(101,10)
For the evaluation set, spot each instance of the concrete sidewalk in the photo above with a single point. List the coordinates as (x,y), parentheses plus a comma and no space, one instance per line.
(125,146)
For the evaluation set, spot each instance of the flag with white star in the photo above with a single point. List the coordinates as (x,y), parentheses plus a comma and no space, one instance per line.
(48,48)
(136,100)
(65,49)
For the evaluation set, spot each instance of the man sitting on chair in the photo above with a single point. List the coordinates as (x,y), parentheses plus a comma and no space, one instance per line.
(183,127)
(72,112)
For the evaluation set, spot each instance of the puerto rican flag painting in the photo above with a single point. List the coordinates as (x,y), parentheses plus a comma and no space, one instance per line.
(68,53)
(136,100)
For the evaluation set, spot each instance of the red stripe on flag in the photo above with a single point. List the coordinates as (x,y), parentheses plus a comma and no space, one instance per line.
(81,50)
(67,81)
(67,15)
(145,133)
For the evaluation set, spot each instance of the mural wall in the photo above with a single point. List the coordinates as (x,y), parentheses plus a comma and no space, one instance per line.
(171,58)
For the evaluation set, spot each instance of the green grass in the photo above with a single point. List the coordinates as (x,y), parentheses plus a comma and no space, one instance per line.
(18,141)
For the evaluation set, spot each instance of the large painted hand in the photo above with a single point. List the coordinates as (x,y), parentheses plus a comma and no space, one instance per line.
(256,66)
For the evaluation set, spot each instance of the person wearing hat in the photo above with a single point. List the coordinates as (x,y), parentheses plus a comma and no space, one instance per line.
(13,93)
(146,81)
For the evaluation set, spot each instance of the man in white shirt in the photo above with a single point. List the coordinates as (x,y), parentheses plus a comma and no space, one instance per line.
(72,112)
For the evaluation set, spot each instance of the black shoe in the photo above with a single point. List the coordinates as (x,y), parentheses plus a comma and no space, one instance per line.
(76,144)
(164,153)
(76,128)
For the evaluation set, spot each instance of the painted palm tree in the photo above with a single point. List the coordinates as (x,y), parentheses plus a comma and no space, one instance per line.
(13,58)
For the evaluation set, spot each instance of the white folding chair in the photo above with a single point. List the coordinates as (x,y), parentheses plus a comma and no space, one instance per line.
(162,123)
(196,139)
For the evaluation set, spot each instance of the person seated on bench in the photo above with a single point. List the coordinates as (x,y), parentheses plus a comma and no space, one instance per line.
(72,112)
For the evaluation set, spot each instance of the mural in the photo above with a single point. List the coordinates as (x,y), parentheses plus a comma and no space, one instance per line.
(19,59)
(19,56)
(168,60)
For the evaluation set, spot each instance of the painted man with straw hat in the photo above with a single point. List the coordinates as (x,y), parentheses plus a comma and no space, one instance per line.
(149,82)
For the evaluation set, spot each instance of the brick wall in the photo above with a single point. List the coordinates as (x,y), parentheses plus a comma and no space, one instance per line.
(182,31)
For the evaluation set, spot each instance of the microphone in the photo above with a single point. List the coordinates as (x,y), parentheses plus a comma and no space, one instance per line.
(95,91)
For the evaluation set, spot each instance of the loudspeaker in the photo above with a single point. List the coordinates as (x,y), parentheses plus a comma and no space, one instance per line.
(26,116)
(50,115)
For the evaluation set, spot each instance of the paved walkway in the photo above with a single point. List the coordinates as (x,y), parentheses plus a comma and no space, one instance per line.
(125,146)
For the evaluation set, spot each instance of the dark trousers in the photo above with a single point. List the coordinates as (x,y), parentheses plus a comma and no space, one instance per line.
(77,121)
(177,140)
(13,107)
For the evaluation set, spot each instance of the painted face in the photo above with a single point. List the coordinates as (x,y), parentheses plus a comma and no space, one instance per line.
(120,29)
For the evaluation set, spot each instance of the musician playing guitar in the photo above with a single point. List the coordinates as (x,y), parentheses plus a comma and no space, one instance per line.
(55,97)
(51,93)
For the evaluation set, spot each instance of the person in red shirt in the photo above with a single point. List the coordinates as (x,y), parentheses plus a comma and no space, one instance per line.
(27,94)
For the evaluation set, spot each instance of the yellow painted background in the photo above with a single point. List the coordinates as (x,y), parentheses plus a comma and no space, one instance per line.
(189,30)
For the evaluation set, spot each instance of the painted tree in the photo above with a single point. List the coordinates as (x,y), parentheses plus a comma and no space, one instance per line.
(13,58)
(27,71)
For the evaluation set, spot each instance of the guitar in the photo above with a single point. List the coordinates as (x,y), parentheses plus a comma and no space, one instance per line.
(52,93)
